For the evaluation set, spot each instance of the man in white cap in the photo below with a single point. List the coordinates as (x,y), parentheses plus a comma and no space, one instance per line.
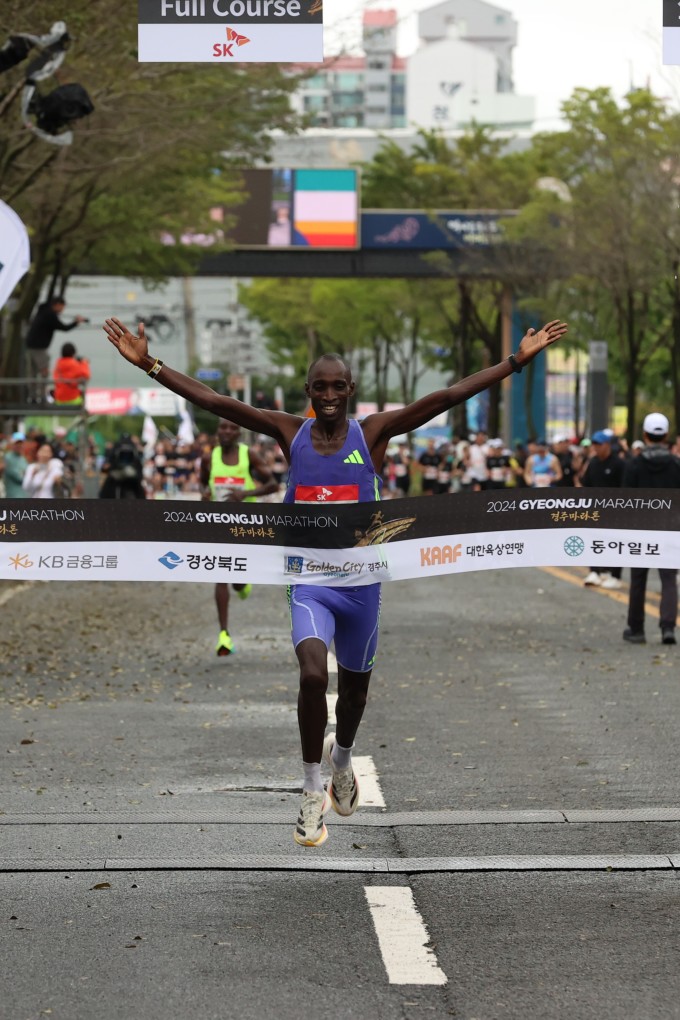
(655,468)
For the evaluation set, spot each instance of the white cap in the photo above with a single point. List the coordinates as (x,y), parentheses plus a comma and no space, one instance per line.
(496,444)
(561,439)
(656,424)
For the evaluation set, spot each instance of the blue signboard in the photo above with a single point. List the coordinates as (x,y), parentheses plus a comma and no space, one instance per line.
(208,374)
(425,231)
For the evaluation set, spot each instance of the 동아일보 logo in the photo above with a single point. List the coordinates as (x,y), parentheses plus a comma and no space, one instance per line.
(574,546)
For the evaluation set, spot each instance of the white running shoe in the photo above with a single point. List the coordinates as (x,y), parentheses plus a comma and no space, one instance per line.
(610,582)
(343,786)
(593,580)
(310,829)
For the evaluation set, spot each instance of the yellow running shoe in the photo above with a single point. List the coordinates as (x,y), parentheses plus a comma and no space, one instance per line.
(225,645)
(245,591)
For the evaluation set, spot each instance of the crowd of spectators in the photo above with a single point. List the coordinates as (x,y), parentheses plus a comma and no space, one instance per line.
(482,462)
(170,467)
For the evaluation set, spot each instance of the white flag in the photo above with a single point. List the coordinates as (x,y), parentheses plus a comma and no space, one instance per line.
(185,433)
(15,251)
(149,435)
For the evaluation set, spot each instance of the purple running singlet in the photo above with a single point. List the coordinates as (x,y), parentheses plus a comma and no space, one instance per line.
(350,616)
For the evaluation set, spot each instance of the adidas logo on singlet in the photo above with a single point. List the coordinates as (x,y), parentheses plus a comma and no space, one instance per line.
(354,458)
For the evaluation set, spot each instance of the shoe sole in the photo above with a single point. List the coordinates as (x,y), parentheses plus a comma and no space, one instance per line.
(326,757)
(323,835)
(310,842)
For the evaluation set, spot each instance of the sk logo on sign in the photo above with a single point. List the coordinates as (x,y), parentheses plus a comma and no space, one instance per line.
(227,49)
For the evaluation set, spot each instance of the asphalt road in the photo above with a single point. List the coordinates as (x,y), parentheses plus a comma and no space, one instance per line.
(517,857)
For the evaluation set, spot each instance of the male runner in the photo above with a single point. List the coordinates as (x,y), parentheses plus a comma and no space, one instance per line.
(346,457)
(227,476)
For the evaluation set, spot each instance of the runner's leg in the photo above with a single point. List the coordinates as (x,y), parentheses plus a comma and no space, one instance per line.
(352,695)
(225,644)
(222,603)
(312,708)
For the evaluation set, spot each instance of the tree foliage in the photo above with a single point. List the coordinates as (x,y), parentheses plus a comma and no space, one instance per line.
(160,149)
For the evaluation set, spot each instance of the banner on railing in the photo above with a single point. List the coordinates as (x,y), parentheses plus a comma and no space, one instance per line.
(274,543)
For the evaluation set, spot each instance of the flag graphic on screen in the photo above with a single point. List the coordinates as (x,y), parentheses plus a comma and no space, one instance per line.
(325,206)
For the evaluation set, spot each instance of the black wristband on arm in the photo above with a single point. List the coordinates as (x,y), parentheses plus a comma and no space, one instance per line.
(514,364)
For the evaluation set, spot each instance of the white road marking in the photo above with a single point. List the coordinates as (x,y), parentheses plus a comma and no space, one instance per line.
(14,591)
(370,794)
(332,699)
(402,937)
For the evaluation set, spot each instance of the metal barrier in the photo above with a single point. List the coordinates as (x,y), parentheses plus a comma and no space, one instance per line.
(21,398)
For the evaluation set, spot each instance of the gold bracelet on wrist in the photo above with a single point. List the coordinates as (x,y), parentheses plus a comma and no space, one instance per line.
(155,368)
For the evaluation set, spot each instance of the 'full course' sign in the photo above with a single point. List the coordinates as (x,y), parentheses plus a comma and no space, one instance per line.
(231,31)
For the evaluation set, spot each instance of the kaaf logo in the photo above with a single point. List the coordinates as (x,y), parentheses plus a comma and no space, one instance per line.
(435,555)
(170,560)
(20,560)
(294,564)
(227,49)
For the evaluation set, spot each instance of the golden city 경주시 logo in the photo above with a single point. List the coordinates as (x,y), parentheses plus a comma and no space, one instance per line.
(226,49)
(20,561)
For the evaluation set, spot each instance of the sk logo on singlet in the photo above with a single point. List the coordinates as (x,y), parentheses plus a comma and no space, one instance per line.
(354,458)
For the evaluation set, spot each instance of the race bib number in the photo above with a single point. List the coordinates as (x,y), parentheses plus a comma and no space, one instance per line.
(327,494)
(224,488)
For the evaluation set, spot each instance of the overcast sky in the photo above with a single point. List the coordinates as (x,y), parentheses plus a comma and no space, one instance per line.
(562,44)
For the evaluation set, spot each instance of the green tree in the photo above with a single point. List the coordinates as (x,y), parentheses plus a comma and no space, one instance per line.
(614,241)
(161,148)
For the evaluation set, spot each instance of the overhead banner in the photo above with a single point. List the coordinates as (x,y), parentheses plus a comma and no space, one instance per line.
(231,31)
(15,251)
(419,230)
(331,544)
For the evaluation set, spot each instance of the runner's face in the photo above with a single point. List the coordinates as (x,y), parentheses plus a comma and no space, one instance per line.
(329,388)
(228,433)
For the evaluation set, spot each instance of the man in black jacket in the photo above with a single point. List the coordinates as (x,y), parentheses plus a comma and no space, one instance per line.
(603,471)
(655,468)
(39,337)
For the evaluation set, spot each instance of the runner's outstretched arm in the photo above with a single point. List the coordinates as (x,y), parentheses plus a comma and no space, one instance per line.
(135,349)
(383,426)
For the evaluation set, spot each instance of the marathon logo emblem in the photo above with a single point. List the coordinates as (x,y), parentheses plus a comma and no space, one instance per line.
(294,564)
(435,555)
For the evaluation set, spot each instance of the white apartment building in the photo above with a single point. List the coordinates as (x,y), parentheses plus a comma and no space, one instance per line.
(460,72)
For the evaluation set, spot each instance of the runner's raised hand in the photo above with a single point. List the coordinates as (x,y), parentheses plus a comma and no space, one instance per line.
(133,348)
(534,342)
